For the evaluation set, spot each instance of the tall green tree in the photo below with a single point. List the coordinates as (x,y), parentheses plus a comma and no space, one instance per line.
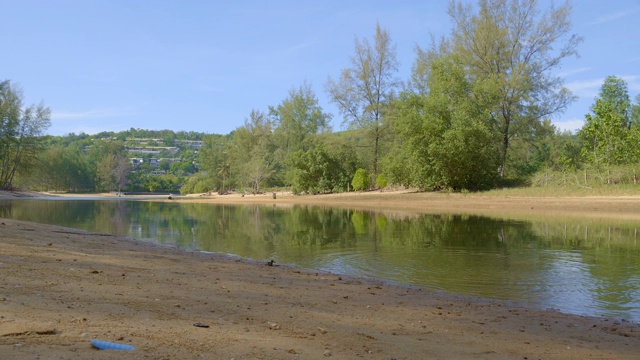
(63,168)
(215,159)
(112,172)
(298,118)
(519,46)
(365,90)
(296,121)
(110,164)
(554,149)
(21,129)
(608,137)
(635,112)
(605,136)
(446,136)
(615,92)
(252,151)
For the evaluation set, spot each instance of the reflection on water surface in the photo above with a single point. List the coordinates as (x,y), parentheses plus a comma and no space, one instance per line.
(585,267)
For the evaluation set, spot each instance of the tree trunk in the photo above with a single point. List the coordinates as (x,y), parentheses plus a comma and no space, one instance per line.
(14,166)
(585,177)
(505,146)
(546,178)
(375,153)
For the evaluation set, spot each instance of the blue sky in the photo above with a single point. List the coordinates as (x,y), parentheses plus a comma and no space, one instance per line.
(204,65)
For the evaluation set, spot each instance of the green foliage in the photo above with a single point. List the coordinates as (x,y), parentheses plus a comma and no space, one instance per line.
(63,168)
(365,90)
(21,130)
(110,164)
(297,119)
(607,142)
(349,147)
(107,164)
(609,139)
(182,168)
(297,122)
(101,162)
(252,150)
(635,112)
(198,183)
(144,181)
(446,136)
(560,151)
(397,167)
(215,159)
(466,159)
(517,47)
(590,177)
(544,147)
(316,171)
(604,135)
(615,92)
(360,180)
(381,181)
(474,114)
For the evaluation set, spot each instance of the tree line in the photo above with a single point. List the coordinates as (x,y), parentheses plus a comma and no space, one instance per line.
(96,163)
(475,114)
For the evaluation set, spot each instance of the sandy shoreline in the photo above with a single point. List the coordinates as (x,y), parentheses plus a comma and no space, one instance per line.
(409,202)
(63,287)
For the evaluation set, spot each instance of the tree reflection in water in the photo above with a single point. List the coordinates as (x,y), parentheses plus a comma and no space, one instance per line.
(580,266)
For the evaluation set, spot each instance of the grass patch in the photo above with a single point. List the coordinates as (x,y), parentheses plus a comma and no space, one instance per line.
(560,191)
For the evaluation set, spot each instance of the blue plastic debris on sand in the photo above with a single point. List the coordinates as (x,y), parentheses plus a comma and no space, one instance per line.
(107,345)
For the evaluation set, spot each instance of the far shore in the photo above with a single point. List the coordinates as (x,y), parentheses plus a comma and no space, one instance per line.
(407,202)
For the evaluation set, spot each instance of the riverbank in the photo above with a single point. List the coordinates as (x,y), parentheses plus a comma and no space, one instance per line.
(63,287)
(408,202)
(498,203)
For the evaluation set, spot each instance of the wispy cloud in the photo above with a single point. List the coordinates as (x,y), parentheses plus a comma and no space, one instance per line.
(615,16)
(574,71)
(90,114)
(591,87)
(586,88)
(88,127)
(633,81)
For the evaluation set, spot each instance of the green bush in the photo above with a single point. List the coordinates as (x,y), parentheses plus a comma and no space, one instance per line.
(381,181)
(319,171)
(360,180)
(198,183)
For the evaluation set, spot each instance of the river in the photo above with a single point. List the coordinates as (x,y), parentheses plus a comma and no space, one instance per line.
(587,267)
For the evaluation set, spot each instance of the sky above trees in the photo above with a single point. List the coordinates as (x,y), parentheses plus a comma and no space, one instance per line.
(203,66)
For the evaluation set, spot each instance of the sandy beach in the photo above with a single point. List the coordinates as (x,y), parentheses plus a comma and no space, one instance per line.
(407,202)
(63,287)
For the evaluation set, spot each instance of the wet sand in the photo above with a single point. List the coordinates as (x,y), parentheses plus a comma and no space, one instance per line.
(410,202)
(63,287)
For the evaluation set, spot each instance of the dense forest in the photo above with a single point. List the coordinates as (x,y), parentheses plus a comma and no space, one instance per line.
(474,115)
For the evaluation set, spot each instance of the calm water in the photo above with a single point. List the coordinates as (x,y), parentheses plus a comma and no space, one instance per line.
(587,267)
